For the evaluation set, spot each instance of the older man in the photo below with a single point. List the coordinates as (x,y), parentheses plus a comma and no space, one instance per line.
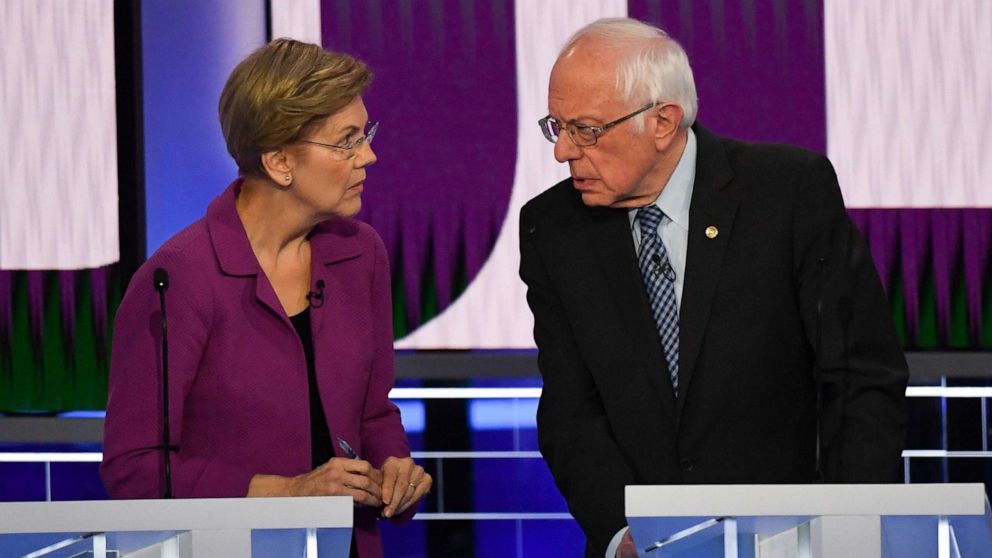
(705,310)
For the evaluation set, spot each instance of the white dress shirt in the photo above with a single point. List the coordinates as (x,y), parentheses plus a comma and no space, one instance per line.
(674,202)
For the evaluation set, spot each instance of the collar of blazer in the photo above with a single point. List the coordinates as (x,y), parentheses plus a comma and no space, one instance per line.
(608,232)
(712,206)
(330,242)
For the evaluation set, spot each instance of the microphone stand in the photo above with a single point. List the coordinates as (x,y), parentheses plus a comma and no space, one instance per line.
(819,358)
(161,281)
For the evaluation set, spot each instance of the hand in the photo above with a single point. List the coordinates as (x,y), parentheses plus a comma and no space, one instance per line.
(627,549)
(337,477)
(403,484)
(341,477)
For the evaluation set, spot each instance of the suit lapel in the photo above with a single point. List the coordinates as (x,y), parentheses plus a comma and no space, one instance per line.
(233,251)
(612,246)
(711,206)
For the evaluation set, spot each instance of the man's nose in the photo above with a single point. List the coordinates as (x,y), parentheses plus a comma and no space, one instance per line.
(565,149)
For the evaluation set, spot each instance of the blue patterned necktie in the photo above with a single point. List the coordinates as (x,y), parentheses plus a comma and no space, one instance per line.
(659,282)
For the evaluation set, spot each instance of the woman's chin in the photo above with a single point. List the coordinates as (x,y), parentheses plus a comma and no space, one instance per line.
(347,207)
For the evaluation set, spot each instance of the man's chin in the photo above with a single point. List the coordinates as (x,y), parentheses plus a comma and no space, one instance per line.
(596,199)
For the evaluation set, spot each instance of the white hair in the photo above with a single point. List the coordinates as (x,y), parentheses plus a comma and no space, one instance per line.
(654,68)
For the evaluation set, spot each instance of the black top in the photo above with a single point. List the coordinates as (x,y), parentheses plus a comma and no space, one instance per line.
(320,435)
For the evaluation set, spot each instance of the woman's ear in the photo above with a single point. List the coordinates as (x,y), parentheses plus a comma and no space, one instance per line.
(278,166)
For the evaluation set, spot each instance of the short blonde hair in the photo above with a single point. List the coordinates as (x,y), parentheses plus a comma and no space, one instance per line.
(278,91)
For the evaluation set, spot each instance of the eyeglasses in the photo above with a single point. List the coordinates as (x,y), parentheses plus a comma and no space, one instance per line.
(583,135)
(348,150)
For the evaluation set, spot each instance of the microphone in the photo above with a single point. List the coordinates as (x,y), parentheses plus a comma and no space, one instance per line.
(818,464)
(666,269)
(316,299)
(841,307)
(160,280)
(845,313)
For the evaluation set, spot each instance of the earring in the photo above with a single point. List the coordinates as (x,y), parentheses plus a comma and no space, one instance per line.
(289,178)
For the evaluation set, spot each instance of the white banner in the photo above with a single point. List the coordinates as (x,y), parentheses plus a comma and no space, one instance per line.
(909,101)
(58,135)
(295,19)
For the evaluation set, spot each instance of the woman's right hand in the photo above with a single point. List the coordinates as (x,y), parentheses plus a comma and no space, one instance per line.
(337,477)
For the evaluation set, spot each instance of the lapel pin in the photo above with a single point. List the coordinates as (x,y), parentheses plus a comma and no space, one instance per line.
(712,231)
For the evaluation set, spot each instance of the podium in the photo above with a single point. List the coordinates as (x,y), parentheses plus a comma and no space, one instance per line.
(186,528)
(810,521)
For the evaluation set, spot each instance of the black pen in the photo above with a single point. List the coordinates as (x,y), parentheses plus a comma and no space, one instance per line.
(346,448)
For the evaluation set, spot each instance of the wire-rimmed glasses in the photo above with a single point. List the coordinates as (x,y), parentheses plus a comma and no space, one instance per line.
(348,150)
(583,135)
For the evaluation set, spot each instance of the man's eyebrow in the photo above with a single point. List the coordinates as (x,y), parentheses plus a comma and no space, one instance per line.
(578,120)
(583,119)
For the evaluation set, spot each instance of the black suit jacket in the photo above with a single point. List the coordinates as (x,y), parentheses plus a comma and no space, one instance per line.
(783,306)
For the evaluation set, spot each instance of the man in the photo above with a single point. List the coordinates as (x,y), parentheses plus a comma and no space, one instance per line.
(705,311)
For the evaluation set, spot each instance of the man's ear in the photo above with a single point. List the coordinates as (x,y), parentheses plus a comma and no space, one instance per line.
(278,166)
(668,118)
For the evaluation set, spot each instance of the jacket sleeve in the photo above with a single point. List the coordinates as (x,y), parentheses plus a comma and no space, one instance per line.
(573,433)
(861,370)
(133,464)
(381,429)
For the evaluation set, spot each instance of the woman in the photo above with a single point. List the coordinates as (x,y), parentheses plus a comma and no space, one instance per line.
(280,332)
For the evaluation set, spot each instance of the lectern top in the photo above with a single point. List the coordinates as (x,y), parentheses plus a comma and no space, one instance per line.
(176,515)
(805,500)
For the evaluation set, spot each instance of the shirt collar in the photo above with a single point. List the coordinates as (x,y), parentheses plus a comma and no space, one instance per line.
(676,197)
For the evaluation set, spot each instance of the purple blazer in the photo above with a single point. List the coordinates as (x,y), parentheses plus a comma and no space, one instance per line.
(239,401)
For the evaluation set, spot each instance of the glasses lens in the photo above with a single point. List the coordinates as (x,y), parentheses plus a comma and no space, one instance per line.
(370,129)
(583,136)
(549,127)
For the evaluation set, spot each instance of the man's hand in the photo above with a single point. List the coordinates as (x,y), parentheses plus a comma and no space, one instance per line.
(627,548)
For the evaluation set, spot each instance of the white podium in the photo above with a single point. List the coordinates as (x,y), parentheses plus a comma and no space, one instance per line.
(188,528)
(811,521)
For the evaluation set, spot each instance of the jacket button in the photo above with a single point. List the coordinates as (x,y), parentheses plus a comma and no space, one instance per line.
(686,464)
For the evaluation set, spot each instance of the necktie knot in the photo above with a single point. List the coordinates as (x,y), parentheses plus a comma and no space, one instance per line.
(650,217)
